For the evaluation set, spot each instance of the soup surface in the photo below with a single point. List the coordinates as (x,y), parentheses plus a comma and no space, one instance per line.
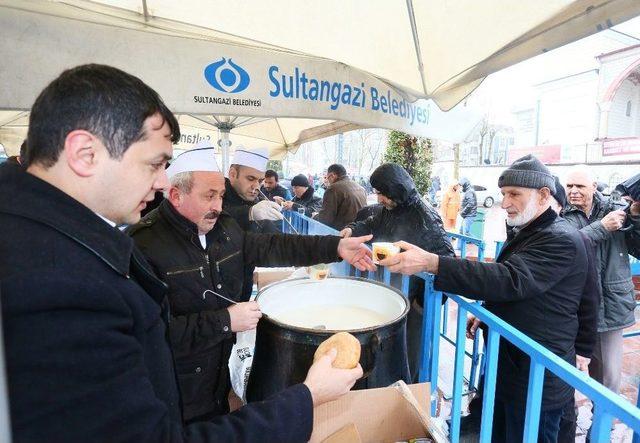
(336,317)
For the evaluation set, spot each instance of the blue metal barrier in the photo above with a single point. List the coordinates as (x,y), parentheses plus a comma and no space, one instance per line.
(607,405)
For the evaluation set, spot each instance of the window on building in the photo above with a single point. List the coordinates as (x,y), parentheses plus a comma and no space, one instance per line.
(628,112)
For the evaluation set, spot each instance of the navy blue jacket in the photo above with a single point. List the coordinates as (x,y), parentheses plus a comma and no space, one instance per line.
(85,334)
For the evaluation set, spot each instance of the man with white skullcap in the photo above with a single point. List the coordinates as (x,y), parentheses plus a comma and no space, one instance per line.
(243,202)
(198,250)
(242,198)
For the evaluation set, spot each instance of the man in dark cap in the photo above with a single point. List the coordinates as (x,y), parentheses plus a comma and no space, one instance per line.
(404,216)
(535,284)
(303,196)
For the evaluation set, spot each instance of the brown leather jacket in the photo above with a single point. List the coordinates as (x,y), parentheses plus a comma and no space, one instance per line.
(342,201)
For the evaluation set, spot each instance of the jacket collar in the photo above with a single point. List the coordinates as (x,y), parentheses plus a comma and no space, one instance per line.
(596,208)
(181,224)
(308,194)
(25,195)
(517,236)
(232,197)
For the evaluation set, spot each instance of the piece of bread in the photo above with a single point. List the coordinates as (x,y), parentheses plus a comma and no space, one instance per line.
(348,348)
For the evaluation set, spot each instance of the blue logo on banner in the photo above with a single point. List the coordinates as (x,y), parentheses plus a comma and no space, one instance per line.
(226,76)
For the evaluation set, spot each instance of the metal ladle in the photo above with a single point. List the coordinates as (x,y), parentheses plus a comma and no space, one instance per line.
(283,217)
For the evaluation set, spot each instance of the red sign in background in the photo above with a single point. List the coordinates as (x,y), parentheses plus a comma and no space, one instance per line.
(621,146)
(548,154)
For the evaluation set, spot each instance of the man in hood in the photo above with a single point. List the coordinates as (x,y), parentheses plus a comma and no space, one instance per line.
(469,206)
(404,216)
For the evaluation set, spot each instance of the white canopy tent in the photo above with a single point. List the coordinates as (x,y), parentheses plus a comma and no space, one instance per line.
(373,63)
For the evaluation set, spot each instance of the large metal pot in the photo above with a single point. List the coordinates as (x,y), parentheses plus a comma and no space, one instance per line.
(291,330)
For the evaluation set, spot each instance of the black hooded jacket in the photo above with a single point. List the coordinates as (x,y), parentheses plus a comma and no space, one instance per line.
(411,220)
(308,201)
(469,207)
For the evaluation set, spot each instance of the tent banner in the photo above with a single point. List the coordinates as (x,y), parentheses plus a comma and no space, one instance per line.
(209,77)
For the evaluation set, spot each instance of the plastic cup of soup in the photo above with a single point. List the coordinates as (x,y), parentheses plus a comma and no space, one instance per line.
(319,271)
(382,250)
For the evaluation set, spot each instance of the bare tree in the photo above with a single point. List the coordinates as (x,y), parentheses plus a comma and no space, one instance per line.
(483,130)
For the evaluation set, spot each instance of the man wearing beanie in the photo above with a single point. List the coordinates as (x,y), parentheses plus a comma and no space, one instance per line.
(535,284)
(303,196)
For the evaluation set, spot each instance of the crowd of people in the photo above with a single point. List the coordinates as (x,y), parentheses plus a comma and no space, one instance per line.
(115,334)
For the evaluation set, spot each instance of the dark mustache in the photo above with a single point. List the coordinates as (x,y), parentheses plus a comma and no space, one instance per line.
(212,215)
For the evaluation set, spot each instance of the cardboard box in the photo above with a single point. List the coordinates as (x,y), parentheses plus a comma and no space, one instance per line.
(396,413)
(265,276)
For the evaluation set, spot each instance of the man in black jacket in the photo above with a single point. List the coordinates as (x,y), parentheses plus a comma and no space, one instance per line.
(536,285)
(242,200)
(405,216)
(195,248)
(273,190)
(84,316)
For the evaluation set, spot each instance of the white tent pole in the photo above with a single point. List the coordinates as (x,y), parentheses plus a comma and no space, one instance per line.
(225,144)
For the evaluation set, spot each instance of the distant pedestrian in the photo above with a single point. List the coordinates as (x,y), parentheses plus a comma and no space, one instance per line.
(469,207)
(450,206)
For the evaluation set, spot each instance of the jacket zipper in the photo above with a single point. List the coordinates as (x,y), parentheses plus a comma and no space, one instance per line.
(219,262)
(183,271)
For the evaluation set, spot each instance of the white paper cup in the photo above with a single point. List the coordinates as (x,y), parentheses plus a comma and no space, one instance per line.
(382,250)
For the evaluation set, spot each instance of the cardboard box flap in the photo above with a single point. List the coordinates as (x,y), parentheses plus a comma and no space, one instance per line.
(380,415)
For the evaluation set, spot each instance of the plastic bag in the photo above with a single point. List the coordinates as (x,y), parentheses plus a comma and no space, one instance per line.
(240,362)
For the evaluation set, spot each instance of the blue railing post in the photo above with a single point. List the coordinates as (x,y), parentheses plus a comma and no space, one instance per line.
(386,276)
(405,285)
(534,401)
(636,434)
(458,372)
(601,425)
(489,391)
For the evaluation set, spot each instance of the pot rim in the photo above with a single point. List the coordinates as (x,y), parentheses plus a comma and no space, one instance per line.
(287,326)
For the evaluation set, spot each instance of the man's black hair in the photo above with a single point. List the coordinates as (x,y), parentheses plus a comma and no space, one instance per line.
(100,99)
(271,173)
(337,169)
(23,150)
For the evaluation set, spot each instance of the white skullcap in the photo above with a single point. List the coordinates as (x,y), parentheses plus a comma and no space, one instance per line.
(200,158)
(255,158)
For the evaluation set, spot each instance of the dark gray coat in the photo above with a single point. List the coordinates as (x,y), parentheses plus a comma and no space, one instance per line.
(469,204)
(612,255)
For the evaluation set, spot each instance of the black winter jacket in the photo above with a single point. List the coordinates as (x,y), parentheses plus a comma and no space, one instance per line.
(469,204)
(84,322)
(617,304)
(200,328)
(536,285)
(308,201)
(278,191)
(239,209)
(411,220)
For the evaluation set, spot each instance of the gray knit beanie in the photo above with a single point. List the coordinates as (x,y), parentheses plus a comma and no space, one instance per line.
(527,172)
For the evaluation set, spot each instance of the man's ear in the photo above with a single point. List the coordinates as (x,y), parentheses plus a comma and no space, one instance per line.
(175,197)
(233,173)
(545,193)
(81,151)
